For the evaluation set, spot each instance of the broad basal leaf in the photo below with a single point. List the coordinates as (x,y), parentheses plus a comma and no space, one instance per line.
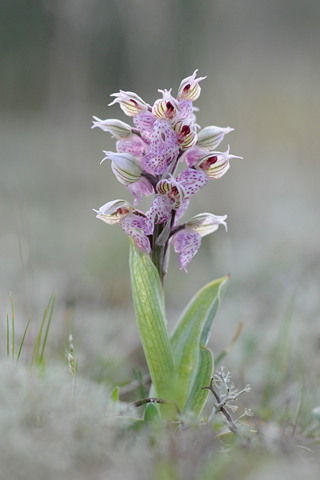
(193,362)
(151,319)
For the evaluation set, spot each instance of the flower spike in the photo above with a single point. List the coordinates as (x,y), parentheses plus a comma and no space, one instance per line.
(148,154)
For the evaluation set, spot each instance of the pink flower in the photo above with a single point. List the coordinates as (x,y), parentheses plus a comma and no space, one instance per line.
(165,107)
(187,241)
(189,88)
(129,102)
(172,194)
(128,170)
(163,148)
(215,164)
(132,221)
(144,121)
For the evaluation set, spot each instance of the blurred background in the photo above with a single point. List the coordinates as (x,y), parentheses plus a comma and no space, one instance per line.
(60,61)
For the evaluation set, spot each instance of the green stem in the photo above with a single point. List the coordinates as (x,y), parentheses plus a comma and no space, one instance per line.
(157,255)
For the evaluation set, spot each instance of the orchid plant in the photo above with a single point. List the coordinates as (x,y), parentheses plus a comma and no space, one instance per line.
(165,137)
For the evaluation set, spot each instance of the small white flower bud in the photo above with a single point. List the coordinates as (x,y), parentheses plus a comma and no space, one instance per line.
(210,137)
(206,223)
(125,166)
(117,128)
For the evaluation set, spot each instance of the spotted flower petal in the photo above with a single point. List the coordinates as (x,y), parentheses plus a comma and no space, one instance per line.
(144,122)
(186,243)
(192,180)
(163,148)
(193,155)
(160,209)
(140,188)
(132,221)
(163,135)
(135,226)
(159,164)
(132,144)
(186,109)
(180,212)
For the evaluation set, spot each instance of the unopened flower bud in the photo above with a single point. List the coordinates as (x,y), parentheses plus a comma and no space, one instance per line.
(215,164)
(189,88)
(165,107)
(129,102)
(113,212)
(117,128)
(125,166)
(206,223)
(210,137)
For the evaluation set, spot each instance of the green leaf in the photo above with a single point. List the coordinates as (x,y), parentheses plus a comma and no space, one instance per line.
(188,341)
(115,395)
(198,396)
(151,414)
(152,324)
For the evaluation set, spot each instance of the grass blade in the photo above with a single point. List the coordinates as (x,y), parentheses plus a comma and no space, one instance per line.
(22,341)
(35,355)
(12,321)
(230,346)
(36,349)
(52,300)
(8,337)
